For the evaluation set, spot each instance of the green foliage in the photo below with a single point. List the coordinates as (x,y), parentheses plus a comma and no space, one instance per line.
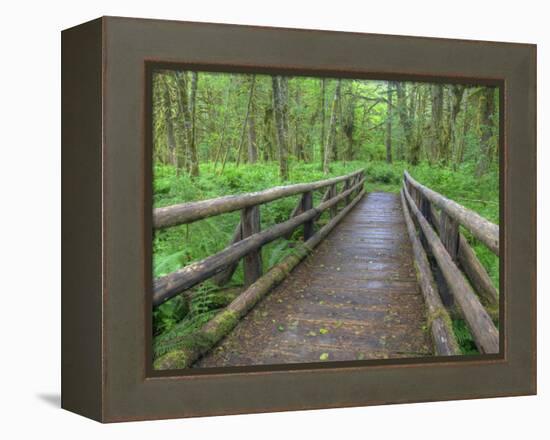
(464,337)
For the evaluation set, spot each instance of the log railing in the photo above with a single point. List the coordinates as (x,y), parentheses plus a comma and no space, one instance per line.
(438,220)
(248,239)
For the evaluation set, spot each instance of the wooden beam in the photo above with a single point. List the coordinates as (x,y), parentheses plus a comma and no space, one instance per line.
(307,204)
(252,261)
(483,330)
(193,211)
(448,233)
(476,273)
(439,322)
(481,228)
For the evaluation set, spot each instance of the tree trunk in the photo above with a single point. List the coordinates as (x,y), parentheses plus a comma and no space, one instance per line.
(348,125)
(406,122)
(332,128)
(437,146)
(194,165)
(323,117)
(486,126)
(465,129)
(280,104)
(246,119)
(457,92)
(268,134)
(224,126)
(180,79)
(170,136)
(389,95)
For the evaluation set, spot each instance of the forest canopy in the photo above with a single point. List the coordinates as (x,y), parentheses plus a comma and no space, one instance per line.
(222,118)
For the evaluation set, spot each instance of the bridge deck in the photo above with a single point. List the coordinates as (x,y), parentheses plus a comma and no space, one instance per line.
(355,297)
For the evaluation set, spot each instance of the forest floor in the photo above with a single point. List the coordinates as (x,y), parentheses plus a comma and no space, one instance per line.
(178,246)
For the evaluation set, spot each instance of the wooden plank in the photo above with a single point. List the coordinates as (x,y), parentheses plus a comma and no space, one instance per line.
(483,330)
(481,228)
(443,337)
(193,211)
(252,262)
(169,285)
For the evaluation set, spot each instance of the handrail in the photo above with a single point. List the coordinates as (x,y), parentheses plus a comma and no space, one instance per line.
(192,211)
(170,285)
(480,227)
(441,235)
(483,330)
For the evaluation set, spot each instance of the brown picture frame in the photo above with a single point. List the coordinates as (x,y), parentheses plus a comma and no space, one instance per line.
(107,208)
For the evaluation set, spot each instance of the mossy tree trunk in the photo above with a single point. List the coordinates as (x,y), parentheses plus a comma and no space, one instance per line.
(280,105)
(332,128)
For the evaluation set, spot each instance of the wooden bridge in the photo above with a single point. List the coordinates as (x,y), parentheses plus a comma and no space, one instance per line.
(360,287)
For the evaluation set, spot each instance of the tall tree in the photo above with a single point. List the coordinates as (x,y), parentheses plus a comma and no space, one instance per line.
(407,112)
(280,106)
(246,119)
(224,123)
(348,122)
(486,128)
(461,143)
(252,144)
(332,128)
(169,124)
(437,140)
(323,117)
(457,93)
(389,97)
(194,159)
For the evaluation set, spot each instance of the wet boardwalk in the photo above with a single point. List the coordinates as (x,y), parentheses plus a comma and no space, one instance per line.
(356,297)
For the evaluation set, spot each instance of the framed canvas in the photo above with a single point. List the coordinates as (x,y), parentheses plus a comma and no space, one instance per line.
(262,219)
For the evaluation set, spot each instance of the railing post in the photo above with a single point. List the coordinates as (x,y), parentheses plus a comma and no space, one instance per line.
(307,204)
(334,208)
(345,188)
(448,232)
(252,262)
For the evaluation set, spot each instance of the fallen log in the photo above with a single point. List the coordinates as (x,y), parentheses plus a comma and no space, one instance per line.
(199,343)
(483,330)
(481,228)
(439,322)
